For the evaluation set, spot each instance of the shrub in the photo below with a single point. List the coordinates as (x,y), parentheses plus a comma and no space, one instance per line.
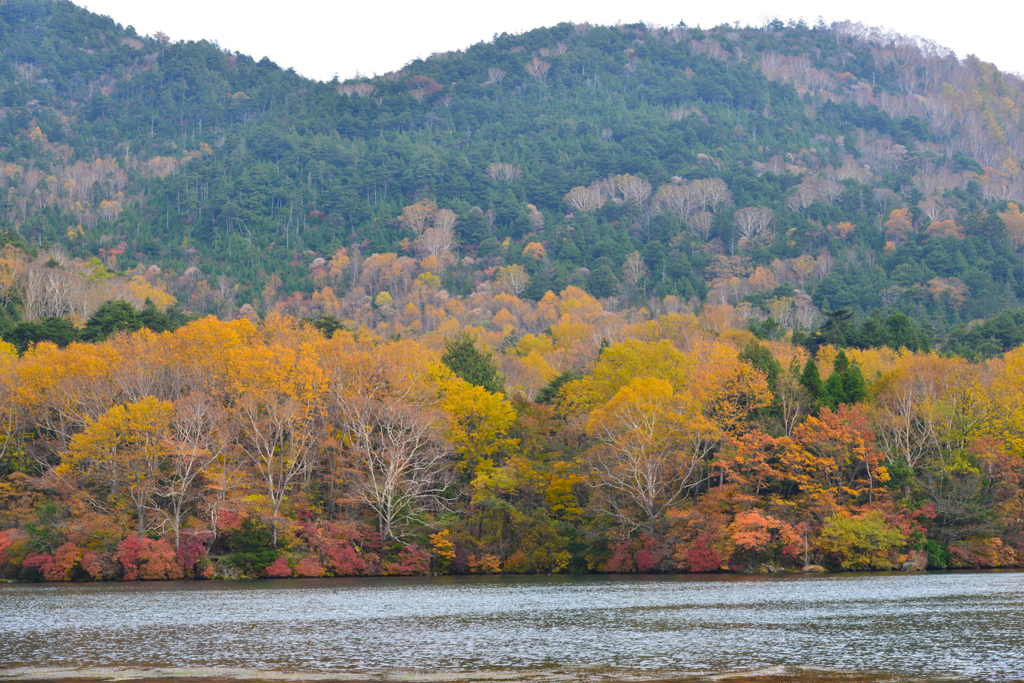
(279,569)
(861,542)
(701,556)
(309,567)
(411,560)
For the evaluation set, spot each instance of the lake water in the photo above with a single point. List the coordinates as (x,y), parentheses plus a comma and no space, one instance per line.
(878,627)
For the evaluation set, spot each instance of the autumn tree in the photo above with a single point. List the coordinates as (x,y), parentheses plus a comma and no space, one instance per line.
(643,464)
(199,443)
(836,462)
(278,417)
(754,222)
(125,447)
(399,461)
(538,69)
(512,279)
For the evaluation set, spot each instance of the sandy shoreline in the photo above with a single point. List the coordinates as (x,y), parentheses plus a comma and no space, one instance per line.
(566,675)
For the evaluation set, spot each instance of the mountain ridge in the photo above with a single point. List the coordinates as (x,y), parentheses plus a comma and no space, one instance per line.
(829,128)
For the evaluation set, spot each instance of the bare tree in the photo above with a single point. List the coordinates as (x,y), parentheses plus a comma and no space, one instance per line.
(399,462)
(495,75)
(198,444)
(754,221)
(537,69)
(701,224)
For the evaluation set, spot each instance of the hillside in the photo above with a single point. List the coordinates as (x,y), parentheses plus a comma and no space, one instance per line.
(784,171)
(587,299)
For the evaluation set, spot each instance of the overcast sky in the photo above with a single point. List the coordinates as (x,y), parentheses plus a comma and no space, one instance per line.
(320,38)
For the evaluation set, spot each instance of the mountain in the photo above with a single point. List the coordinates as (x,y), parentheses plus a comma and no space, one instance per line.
(786,171)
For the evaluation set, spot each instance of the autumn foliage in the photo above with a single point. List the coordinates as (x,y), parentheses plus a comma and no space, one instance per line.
(670,443)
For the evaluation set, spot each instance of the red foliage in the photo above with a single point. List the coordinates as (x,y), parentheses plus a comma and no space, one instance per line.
(412,560)
(228,520)
(650,555)
(159,561)
(148,559)
(701,556)
(309,567)
(279,569)
(129,552)
(622,560)
(7,539)
(65,558)
(341,547)
(41,562)
(93,563)
(56,567)
(190,553)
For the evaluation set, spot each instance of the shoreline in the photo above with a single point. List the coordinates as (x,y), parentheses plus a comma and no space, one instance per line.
(693,575)
(768,674)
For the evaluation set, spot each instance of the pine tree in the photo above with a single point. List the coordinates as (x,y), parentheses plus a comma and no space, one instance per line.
(463,358)
(810,380)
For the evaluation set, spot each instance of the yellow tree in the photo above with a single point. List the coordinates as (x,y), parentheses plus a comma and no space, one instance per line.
(643,464)
(197,448)
(479,420)
(1014,221)
(124,449)
(512,279)
(278,416)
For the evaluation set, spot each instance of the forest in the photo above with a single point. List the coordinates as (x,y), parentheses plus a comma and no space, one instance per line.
(285,448)
(584,299)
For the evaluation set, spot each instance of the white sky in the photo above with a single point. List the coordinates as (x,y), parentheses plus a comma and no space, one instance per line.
(320,38)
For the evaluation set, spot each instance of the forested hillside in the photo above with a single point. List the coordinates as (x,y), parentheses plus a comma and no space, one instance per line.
(588,298)
(784,170)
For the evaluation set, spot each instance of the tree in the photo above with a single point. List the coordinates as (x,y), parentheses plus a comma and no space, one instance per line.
(398,459)
(634,270)
(602,282)
(754,222)
(845,384)
(512,279)
(112,316)
(126,447)
(810,380)
(462,357)
(835,462)
(538,69)
(277,417)
(478,420)
(199,443)
(643,464)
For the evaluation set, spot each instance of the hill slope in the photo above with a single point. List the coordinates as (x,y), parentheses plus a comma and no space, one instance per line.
(783,171)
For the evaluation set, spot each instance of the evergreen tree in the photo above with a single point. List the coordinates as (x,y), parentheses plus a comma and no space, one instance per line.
(465,360)
(810,380)
(760,357)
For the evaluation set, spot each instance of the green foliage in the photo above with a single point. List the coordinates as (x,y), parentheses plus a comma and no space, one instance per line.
(810,380)
(861,543)
(463,358)
(251,547)
(938,554)
(549,394)
(845,384)
(272,170)
(111,317)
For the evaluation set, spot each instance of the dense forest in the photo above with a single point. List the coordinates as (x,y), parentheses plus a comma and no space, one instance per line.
(587,298)
(288,448)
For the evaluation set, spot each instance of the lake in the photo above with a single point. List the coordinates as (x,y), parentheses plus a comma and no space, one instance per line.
(865,627)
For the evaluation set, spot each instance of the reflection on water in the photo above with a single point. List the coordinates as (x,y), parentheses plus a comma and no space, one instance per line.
(835,628)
